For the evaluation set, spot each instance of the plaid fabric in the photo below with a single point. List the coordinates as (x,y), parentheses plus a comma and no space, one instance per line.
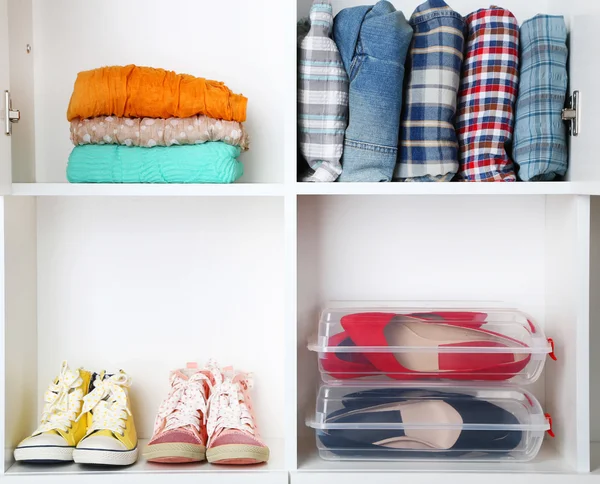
(322,97)
(429,149)
(487,96)
(540,148)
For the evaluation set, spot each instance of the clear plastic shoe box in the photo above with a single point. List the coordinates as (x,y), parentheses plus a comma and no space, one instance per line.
(434,422)
(399,344)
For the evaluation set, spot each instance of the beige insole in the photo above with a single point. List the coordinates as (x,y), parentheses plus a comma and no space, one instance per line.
(421,412)
(403,332)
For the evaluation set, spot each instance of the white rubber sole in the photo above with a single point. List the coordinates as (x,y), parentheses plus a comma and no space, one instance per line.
(44,453)
(105,457)
(175,452)
(243,454)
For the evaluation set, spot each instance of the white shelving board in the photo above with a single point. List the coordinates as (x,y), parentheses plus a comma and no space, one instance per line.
(452,188)
(146,190)
(547,460)
(273,472)
(292,189)
(548,467)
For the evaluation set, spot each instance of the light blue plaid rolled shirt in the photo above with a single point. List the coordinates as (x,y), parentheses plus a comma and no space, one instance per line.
(540,140)
(429,148)
(322,98)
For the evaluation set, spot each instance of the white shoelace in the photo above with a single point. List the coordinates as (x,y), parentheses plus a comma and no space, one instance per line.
(108,401)
(183,405)
(62,401)
(227,406)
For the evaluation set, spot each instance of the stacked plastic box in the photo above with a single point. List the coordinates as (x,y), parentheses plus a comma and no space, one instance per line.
(410,383)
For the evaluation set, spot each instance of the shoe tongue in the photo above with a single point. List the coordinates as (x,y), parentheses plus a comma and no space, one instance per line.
(105,433)
(92,380)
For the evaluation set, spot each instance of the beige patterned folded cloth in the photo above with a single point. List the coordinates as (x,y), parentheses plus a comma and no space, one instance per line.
(149,132)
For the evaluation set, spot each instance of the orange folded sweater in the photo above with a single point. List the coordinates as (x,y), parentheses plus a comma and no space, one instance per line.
(145,92)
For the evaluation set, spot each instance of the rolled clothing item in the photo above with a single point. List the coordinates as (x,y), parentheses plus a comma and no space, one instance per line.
(540,147)
(213,162)
(322,97)
(145,92)
(150,132)
(373,42)
(486,100)
(429,148)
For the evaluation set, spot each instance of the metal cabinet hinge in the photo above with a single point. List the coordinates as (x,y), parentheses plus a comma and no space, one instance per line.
(10,115)
(572,114)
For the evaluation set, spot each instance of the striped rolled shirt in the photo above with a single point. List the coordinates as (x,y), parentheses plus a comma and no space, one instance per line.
(429,148)
(322,98)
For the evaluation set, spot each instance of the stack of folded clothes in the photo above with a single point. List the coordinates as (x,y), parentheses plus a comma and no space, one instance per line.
(143,125)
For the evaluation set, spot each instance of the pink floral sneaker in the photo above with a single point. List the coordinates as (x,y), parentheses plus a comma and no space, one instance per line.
(233,437)
(180,427)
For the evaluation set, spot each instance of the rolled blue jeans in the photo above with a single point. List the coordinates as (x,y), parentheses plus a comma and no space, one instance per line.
(373,42)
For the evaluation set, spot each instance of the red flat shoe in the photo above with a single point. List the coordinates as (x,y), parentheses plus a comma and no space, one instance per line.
(344,366)
(435,330)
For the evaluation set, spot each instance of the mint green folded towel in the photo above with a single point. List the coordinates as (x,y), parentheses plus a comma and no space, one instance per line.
(213,162)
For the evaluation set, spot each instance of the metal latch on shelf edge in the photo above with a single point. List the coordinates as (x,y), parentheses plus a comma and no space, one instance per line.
(572,114)
(10,115)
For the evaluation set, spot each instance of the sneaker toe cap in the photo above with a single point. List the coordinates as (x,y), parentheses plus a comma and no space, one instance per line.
(44,439)
(177,436)
(102,442)
(236,438)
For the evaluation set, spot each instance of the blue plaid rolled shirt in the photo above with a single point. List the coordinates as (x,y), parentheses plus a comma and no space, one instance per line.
(540,140)
(429,148)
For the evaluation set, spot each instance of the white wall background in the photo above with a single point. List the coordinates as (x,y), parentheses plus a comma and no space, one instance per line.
(595,318)
(147,285)
(241,49)
(416,248)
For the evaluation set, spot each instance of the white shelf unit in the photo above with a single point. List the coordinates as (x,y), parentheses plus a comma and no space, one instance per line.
(143,190)
(532,245)
(145,277)
(532,254)
(143,284)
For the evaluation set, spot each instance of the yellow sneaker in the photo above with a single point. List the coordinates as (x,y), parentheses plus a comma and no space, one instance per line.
(60,429)
(111,438)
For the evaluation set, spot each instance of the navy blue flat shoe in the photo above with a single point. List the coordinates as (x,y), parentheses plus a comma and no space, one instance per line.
(377,396)
(441,431)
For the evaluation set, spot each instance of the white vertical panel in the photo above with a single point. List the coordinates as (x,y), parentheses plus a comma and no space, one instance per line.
(310,300)
(5,144)
(291,362)
(584,163)
(595,317)
(567,322)
(21,88)
(21,397)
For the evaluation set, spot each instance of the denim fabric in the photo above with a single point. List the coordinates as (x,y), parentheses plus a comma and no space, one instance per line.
(373,42)
(540,148)
(429,148)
